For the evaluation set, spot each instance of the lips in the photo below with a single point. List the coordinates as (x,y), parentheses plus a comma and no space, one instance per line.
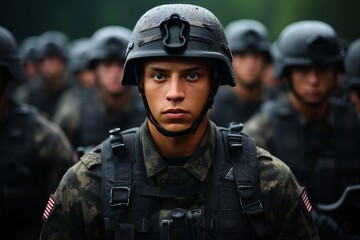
(175,113)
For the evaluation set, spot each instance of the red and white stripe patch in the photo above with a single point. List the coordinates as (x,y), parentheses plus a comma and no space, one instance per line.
(51,205)
(305,200)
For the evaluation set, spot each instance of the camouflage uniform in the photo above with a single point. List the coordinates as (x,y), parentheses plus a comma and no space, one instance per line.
(31,171)
(79,214)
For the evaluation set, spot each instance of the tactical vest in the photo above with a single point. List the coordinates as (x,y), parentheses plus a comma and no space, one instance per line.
(96,124)
(324,173)
(19,177)
(130,202)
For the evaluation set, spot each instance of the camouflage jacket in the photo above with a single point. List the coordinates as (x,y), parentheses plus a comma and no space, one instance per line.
(77,212)
(30,169)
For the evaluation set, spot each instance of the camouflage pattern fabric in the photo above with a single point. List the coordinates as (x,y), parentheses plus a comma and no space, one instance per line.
(50,159)
(79,214)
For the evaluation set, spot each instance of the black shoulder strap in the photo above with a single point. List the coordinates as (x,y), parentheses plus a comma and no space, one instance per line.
(116,179)
(243,156)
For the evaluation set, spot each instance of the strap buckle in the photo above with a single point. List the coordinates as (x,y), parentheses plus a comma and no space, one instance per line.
(119,196)
(248,200)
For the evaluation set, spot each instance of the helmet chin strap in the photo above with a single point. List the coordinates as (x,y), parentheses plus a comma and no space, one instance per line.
(190,130)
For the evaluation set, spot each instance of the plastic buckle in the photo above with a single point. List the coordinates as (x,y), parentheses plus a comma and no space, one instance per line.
(122,197)
(116,140)
(255,207)
(235,142)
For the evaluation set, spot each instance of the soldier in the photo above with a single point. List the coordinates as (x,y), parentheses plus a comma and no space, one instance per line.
(249,43)
(34,153)
(317,137)
(52,59)
(352,78)
(88,120)
(29,61)
(82,76)
(178,176)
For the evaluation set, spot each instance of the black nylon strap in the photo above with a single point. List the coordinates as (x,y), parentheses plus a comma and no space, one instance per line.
(172,191)
(243,156)
(116,180)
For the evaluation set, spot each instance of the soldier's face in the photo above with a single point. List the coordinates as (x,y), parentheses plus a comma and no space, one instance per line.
(176,90)
(108,74)
(51,67)
(313,84)
(248,67)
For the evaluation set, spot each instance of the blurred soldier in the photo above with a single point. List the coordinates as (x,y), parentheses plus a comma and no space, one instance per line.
(34,154)
(352,78)
(52,59)
(81,75)
(88,121)
(28,57)
(318,138)
(178,176)
(249,44)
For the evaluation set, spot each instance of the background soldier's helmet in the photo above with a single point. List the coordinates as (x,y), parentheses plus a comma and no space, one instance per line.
(109,43)
(179,30)
(352,65)
(9,57)
(248,34)
(28,49)
(52,44)
(306,43)
(78,53)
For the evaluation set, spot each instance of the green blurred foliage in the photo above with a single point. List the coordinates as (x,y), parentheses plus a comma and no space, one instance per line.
(80,18)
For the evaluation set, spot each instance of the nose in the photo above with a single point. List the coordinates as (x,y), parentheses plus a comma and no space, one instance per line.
(175,90)
(313,76)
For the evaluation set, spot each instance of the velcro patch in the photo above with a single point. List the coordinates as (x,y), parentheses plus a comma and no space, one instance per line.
(50,208)
(304,200)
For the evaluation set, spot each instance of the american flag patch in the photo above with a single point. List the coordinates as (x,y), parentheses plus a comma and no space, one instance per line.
(304,200)
(51,206)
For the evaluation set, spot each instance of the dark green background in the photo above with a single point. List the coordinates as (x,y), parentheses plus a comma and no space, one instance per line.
(80,18)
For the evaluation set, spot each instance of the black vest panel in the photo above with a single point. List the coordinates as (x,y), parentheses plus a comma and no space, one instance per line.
(19,175)
(130,210)
(325,158)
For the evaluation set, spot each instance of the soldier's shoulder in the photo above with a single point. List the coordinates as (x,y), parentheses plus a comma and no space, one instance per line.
(271,169)
(92,158)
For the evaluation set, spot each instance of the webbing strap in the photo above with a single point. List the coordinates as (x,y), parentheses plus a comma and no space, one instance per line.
(243,155)
(116,179)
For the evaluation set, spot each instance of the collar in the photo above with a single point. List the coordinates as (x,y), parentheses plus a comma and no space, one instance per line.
(198,164)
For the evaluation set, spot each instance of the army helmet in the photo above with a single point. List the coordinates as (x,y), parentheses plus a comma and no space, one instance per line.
(306,43)
(109,42)
(78,52)
(52,44)
(9,56)
(352,65)
(28,49)
(248,34)
(179,30)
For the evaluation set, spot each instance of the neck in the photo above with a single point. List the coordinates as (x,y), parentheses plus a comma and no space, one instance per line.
(115,101)
(247,93)
(309,111)
(183,146)
(54,83)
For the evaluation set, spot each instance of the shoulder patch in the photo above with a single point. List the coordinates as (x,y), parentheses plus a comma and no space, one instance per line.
(304,201)
(50,208)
